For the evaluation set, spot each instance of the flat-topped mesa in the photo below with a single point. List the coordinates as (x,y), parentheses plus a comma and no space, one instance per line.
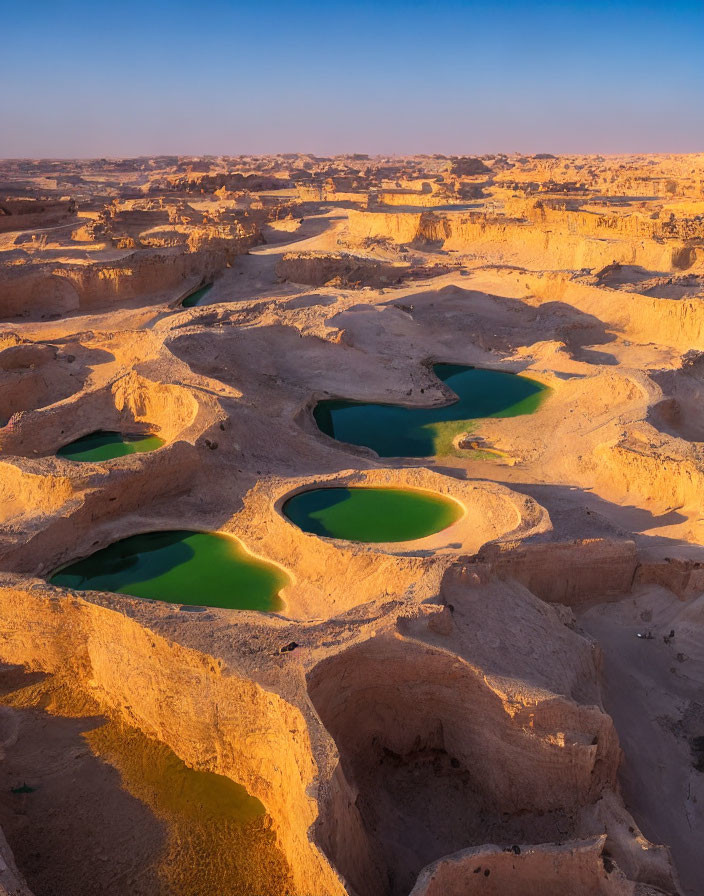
(514,240)
(640,177)
(51,289)
(423,195)
(468,166)
(351,271)
(205,183)
(311,193)
(595,221)
(28,214)
(139,221)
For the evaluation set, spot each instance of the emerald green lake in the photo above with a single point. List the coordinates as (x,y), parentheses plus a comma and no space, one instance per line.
(104,445)
(180,566)
(371,514)
(195,297)
(395,431)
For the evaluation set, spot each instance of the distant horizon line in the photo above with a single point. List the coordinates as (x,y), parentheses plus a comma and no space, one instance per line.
(346,155)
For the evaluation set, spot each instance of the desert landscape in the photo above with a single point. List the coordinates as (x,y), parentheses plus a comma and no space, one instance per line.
(352,539)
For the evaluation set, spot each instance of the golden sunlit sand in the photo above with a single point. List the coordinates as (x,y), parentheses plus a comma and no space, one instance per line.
(509,706)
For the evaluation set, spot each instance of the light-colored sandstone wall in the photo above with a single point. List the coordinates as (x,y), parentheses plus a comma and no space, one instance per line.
(514,241)
(110,491)
(566,573)
(396,693)
(678,323)
(211,717)
(22,293)
(129,403)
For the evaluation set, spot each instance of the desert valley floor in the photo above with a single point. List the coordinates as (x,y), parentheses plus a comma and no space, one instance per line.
(477,666)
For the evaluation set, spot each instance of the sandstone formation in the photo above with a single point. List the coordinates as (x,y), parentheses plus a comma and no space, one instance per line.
(511,705)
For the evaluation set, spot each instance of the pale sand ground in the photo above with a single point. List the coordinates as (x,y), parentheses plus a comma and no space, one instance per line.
(614,454)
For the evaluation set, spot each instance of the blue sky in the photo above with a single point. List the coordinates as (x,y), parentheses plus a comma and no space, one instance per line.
(96,79)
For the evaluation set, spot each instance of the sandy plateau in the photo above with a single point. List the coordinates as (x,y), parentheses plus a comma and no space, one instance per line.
(511,706)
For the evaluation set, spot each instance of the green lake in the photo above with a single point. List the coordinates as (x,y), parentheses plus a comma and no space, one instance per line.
(182,567)
(371,514)
(195,297)
(396,431)
(104,445)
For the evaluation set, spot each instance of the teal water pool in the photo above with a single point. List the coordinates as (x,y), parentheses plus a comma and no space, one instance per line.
(195,297)
(396,431)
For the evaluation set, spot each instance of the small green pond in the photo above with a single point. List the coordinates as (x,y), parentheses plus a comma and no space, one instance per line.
(180,566)
(195,297)
(371,514)
(104,445)
(395,431)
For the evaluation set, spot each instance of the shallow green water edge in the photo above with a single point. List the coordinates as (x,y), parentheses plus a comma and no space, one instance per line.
(180,566)
(105,445)
(195,297)
(397,431)
(366,514)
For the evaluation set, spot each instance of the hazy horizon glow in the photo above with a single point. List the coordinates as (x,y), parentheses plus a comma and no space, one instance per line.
(225,78)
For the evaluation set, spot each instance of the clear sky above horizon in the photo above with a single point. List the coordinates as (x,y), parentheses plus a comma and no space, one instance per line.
(86,79)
